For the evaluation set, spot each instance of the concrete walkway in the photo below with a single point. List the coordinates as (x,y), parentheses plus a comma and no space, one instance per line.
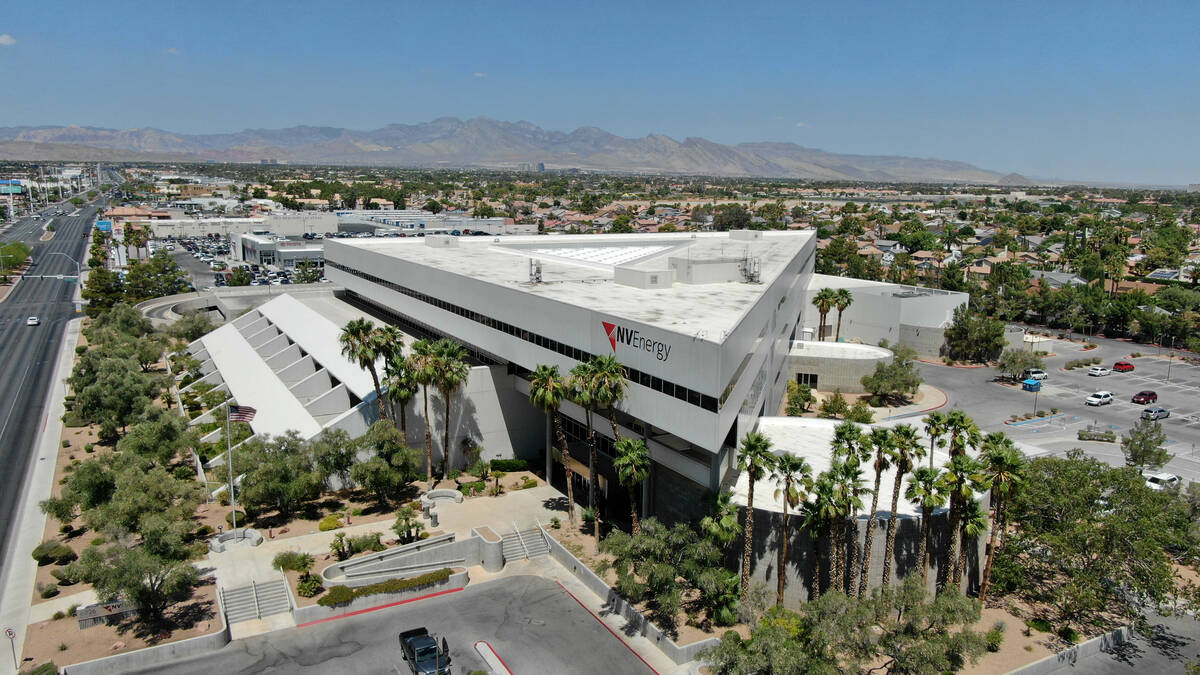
(928,398)
(21,576)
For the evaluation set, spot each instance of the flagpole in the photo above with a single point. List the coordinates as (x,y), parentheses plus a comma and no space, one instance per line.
(229,461)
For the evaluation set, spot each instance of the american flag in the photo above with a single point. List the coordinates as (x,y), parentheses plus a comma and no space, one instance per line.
(241,413)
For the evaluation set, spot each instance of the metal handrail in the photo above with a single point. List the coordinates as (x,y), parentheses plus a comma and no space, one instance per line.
(254,592)
(521,539)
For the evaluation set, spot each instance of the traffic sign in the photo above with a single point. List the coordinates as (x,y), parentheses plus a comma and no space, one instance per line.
(12,634)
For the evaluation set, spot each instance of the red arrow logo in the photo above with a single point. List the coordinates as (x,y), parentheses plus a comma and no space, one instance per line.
(610,330)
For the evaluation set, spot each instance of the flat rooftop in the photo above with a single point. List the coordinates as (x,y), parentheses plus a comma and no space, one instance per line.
(579,270)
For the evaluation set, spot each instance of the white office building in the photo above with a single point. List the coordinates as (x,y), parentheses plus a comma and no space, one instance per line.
(702,322)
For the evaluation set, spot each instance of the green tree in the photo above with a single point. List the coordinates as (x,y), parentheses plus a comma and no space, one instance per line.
(896,381)
(451,375)
(757,461)
(277,473)
(547,391)
(307,272)
(1143,445)
(423,366)
(583,388)
(824,301)
(730,217)
(963,478)
(842,300)
(334,454)
(632,464)
(1014,362)
(721,526)
(906,451)
(240,276)
(799,398)
(974,337)
(1101,552)
(104,288)
(118,395)
(793,474)
(400,387)
(154,278)
(191,326)
(935,428)
(881,441)
(1005,468)
(153,583)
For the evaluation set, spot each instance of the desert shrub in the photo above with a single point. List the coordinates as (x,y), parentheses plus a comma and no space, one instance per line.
(555,523)
(81,349)
(330,522)
(529,483)
(860,412)
(423,535)
(509,465)
(338,597)
(1068,634)
(66,576)
(454,474)
(59,616)
(52,551)
(309,586)
(241,518)
(89,448)
(296,561)
(834,407)
(184,472)
(357,512)
(48,668)
(995,637)
(72,609)
(1040,624)
(1041,413)
(47,590)
(66,444)
(478,485)
(365,542)
(100,540)
(204,532)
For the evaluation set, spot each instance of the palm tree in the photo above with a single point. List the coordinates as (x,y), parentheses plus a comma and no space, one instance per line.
(451,374)
(824,301)
(359,344)
(848,482)
(906,452)
(843,298)
(881,440)
(583,392)
(962,479)
(547,389)
(423,364)
(609,376)
(820,514)
(632,464)
(1005,467)
(794,477)
(963,432)
(935,428)
(848,442)
(974,523)
(756,460)
(924,491)
(721,526)
(401,388)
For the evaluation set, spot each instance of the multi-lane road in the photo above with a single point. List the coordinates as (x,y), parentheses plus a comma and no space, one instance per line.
(27,353)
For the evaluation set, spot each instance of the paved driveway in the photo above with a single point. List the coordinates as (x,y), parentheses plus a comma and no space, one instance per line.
(532,623)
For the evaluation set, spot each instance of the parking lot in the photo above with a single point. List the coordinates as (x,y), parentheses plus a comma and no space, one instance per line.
(531,623)
(1180,395)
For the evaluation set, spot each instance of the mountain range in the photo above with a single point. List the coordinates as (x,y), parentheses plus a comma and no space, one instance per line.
(481,142)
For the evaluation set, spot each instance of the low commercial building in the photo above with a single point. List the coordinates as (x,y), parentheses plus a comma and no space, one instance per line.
(267,249)
(413,221)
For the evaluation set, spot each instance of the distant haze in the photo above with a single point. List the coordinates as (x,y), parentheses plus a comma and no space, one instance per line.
(486,143)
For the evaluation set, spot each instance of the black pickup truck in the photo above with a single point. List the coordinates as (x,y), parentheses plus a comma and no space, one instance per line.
(423,654)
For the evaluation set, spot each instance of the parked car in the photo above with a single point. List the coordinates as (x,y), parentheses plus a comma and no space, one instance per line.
(1155,412)
(1098,371)
(1034,374)
(1099,398)
(423,653)
(1145,396)
(1162,481)
(1123,367)
(33,321)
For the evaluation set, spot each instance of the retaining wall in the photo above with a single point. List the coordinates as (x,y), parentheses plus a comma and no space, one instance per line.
(614,603)
(436,553)
(156,656)
(302,615)
(1070,658)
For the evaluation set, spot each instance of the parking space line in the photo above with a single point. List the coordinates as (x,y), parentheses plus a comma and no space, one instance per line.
(606,626)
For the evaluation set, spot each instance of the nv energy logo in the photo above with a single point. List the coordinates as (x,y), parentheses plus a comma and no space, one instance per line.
(635,340)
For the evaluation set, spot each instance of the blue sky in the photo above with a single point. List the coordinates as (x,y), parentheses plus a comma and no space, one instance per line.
(1098,90)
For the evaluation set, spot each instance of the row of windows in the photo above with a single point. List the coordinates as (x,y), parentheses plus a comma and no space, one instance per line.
(680,392)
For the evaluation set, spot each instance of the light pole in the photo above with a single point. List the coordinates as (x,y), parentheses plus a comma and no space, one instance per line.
(77,266)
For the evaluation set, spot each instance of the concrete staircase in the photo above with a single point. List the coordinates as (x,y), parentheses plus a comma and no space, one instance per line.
(256,601)
(524,544)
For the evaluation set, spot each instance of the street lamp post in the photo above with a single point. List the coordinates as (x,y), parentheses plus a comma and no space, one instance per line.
(78,268)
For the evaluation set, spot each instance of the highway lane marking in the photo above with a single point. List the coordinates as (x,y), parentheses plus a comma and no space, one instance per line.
(8,417)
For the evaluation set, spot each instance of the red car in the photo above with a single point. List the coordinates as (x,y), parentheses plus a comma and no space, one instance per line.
(1144,397)
(1123,367)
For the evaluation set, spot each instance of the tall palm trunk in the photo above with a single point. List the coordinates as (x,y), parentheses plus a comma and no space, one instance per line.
(378,393)
(592,476)
(783,536)
(818,582)
(960,563)
(837,579)
(838,334)
(997,522)
(926,514)
(869,538)
(889,547)
(562,443)
(446,438)
(852,562)
(612,419)
(748,548)
(403,415)
(952,558)
(821,327)
(428,437)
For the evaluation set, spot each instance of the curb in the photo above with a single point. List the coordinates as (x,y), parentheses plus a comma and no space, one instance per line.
(1034,419)
(379,607)
(490,657)
(606,626)
(15,280)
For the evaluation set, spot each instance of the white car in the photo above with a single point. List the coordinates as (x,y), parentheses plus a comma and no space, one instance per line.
(1162,481)
(1034,374)
(1099,398)
(33,321)
(1098,371)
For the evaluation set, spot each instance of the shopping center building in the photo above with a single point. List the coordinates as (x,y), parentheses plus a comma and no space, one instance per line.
(703,323)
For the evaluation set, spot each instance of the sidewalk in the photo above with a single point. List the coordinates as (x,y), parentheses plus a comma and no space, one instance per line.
(15,611)
(928,398)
